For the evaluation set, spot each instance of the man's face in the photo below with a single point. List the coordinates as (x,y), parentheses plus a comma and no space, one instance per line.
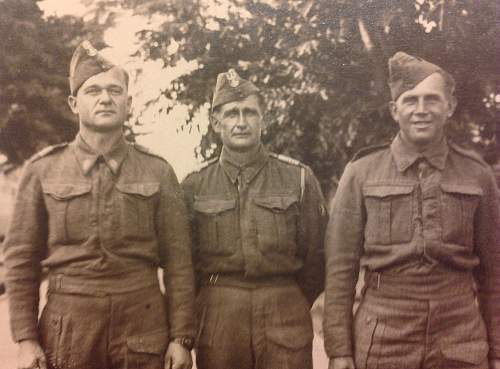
(102,102)
(422,112)
(240,124)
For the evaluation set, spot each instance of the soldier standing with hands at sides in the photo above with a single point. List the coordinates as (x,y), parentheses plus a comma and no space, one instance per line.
(101,215)
(421,216)
(258,223)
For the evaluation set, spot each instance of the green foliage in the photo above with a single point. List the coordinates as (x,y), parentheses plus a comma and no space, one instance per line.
(33,70)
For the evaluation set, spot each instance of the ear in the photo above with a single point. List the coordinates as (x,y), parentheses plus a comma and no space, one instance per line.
(452,105)
(72,102)
(215,122)
(263,122)
(393,108)
(129,103)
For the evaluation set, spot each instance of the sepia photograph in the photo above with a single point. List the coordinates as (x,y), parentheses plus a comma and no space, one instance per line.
(249,184)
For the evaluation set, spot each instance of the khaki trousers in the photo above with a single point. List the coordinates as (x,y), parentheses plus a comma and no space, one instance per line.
(399,333)
(261,328)
(122,331)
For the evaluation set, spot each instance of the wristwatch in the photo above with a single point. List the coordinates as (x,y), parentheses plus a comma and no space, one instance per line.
(187,342)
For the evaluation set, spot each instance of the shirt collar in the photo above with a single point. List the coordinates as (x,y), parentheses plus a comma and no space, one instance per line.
(249,170)
(405,156)
(87,157)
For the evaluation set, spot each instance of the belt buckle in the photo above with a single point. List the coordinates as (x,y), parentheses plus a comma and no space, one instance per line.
(212,280)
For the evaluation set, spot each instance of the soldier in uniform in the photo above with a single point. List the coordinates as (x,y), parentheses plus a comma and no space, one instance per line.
(258,221)
(100,215)
(420,216)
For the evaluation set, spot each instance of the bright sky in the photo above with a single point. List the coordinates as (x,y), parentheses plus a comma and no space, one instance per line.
(160,132)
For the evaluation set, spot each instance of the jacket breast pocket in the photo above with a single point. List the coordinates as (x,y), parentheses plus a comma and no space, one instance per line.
(389,213)
(137,209)
(458,206)
(276,220)
(68,206)
(217,224)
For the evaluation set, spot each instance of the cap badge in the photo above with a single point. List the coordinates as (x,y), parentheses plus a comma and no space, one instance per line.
(233,78)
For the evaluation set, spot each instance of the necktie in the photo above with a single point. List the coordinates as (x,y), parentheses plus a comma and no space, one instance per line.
(423,169)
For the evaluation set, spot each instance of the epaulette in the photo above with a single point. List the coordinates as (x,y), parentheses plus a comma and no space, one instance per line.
(147,151)
(286,159)
(203,165)
(368,150)
(48,150)
(468,153)
(297,163)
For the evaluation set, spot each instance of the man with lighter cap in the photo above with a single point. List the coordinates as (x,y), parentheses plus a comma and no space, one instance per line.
(258,220)
(100,215)
(421,217)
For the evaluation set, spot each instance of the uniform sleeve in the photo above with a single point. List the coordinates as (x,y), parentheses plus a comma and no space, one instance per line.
(312,224)
(343,247)
(188,188)
(175,252)
(25,247)
(487,247)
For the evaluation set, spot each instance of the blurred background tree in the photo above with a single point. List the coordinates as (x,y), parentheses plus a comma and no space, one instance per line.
(321,64)
(33,78)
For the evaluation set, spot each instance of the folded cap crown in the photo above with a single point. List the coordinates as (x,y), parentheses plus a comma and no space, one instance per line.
(231,87)
(407,71)
(86,62)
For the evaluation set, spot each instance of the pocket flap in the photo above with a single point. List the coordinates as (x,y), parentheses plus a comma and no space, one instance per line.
(278,203)
(468,352)
(464,189)
(292,337)
(384,191)
(149,343)
(213,206)
(147,189)
(64,191)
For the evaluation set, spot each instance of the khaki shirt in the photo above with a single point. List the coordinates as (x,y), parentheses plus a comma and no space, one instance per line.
(264,219)
(110,220)
(390,216)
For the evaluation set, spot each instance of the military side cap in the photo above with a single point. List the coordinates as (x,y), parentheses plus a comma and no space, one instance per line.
(407,71)
(85,63)
(231,87)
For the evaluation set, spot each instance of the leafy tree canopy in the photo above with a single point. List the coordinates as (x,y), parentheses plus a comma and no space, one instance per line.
(321,64)
(33,78)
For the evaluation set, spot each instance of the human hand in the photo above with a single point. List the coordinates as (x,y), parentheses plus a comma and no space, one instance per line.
(177,357)
(30,355)
(341,362)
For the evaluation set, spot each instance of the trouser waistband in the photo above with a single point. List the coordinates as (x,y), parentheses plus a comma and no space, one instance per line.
(239,280)
(434,285)
(103,286)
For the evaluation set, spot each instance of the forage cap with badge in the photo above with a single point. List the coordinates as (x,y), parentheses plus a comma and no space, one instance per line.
(231,87)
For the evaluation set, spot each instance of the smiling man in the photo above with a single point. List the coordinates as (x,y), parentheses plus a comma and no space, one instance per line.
(421,217)
(258,221)
(101,216)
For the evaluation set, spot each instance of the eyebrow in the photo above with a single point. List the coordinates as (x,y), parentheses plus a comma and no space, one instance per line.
(112,85)
(231,111)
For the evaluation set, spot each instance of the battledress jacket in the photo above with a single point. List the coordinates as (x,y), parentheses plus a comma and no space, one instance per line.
(108,220)
(264,219)
(386,219)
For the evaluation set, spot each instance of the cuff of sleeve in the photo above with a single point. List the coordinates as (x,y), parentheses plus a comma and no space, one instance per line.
(337,349)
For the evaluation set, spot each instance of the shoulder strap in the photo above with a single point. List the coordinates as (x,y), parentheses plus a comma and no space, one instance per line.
(369,150)
(47,151)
